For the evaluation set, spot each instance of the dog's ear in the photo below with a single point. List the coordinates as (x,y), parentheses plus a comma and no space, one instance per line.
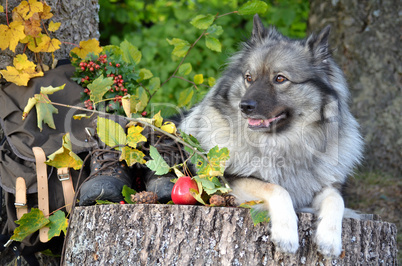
(318,45)
(259,32)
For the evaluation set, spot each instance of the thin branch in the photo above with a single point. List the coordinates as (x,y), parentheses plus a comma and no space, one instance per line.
(189,81)
(8,23)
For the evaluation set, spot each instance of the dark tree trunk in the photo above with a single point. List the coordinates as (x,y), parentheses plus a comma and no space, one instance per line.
(198,235)
(366,38)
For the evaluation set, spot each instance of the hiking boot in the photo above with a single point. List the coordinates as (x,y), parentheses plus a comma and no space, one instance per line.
(108,175)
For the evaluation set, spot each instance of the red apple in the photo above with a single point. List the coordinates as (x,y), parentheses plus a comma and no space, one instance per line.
(181,191)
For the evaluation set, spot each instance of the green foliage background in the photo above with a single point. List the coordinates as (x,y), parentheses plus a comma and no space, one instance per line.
(147,25)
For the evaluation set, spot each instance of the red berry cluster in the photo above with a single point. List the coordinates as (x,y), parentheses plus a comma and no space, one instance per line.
(91,66)
(88,104)
(118,82)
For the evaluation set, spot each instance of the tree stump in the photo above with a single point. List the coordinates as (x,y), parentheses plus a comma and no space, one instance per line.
(197,235)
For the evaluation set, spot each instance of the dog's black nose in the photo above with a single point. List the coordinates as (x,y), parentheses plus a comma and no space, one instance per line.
(248,106)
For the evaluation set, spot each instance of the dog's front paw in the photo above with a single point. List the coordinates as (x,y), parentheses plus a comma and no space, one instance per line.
(285,236)
(329,239)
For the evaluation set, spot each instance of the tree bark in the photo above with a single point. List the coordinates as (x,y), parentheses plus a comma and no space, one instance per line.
(197,235)
(365,36)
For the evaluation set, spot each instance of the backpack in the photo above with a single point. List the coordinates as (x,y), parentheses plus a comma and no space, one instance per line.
(24,149)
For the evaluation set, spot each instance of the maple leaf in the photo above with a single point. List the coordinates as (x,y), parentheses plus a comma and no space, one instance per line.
(42,43)
(53,26)
(29,223)
(45,14)
(58,222)
(89,46)
(215,164)
(23,71)
(27,9)
(11,35)
(65,157)
(134,136)
(132,156)
(157,164)
(99,87)
(44,108)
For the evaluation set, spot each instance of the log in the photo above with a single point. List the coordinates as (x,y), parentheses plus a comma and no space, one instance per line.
(198,235)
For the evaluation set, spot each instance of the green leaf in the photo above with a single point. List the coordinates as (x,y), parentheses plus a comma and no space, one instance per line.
(50,90)
(215,30)
(180,46)
(65,157)
(185,69)
(99,87)
(185,97)
(58,223)
(127,192)
(189,139)
(211,81)
(252,7)
(211,186)
(198,79)
(134,136)
(158,164)
(110,132)
(29,223)
(132,156)
(259,216)
(145,74)
(131,55)
(213,44)
(104,202)
(154,84)
(250,204)
(203,21)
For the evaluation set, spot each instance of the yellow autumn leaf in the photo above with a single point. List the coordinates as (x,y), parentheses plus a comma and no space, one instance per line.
(53,26)
(1,8)
(158,119)
(11,35)
(169,127)
(23,71)
(87,47)
(45,14)
(43,43)
(27,9)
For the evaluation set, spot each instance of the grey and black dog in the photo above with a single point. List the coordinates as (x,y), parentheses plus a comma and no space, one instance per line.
(281,108)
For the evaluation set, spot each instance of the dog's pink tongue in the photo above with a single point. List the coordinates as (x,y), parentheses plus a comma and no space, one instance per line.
(254,122)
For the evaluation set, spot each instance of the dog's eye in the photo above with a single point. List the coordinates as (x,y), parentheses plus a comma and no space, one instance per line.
(248,78)
(280,79)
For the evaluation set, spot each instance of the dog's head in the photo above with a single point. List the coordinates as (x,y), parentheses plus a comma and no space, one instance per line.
(284,80)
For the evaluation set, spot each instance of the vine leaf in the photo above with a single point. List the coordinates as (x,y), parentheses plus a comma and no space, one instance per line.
(99,87)
(252,7)
(29,223)
(86,47)
(157,164)
(110,132)
(134,136)
(180,46)
(44,108)
(203,21)
(65,157)
(58,223)
(11,35)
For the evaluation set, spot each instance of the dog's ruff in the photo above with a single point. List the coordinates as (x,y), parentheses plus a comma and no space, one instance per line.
(281,108)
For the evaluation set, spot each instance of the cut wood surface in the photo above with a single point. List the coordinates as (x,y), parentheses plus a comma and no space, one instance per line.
(198,235)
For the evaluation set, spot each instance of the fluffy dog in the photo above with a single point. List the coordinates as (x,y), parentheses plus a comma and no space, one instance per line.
(281,108)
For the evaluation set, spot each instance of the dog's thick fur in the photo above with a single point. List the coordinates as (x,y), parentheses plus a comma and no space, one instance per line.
(281,108)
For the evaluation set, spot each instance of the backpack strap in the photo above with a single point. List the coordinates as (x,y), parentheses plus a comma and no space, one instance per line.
(20,197)
(68,189)
(43,191)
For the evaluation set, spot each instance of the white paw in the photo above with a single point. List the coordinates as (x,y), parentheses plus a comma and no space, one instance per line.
(284,234)
(329,239)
